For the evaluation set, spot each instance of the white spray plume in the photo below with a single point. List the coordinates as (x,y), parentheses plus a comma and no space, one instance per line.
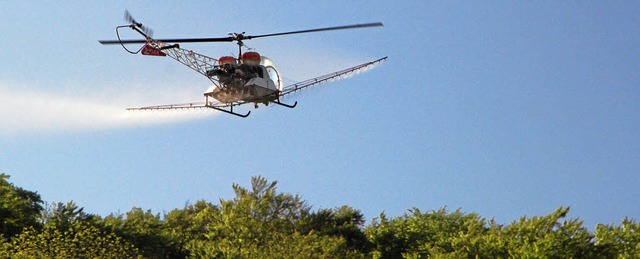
(31,111)
(28,110)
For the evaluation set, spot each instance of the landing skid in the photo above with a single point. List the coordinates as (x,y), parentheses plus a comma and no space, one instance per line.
(230,111)
(285,105)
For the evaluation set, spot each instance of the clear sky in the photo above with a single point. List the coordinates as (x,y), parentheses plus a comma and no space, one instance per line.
(504,108)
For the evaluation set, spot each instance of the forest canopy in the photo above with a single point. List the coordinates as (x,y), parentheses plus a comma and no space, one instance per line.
(261,222)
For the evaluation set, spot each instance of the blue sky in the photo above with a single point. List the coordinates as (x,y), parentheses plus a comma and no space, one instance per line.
(502,108)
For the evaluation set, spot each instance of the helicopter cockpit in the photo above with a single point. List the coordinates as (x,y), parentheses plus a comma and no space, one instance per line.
(252,77)
(232,74)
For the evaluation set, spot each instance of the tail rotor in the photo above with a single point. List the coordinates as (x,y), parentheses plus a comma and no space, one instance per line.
(144,29)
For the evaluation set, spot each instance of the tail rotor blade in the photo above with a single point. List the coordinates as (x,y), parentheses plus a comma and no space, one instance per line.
(129,18)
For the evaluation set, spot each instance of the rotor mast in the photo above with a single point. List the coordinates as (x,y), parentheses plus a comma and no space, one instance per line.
(238,38)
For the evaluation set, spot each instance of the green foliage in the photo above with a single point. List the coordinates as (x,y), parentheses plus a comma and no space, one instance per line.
(146,231)
(443,234)
(547,237)
(189,224)
(621,241)
(432,234)
(61,215)
(260,222)
(79,240)
(345,222)
(18,208)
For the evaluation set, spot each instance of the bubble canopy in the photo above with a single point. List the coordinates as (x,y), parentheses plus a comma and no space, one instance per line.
(274,74)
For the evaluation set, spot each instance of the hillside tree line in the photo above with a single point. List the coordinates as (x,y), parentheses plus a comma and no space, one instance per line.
(260,222)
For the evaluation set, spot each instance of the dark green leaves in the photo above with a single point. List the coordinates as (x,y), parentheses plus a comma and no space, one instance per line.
(18,208)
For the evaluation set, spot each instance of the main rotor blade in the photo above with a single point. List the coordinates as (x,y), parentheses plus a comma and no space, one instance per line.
(240,37)
(108,42)
(189,40)
(354,26)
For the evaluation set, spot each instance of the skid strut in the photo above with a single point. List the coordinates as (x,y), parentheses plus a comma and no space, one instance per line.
(230,111)
(284,104)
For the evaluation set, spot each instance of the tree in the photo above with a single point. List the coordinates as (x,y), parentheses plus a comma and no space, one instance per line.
(440,234)
(144,229)
(260,222)
(621,241)
(433,234)
(61,215)
(548,237)
(19,208)
(79,240)
(345,222)
(189,224)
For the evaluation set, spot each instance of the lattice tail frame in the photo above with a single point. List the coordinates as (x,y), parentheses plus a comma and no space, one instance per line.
(196,61)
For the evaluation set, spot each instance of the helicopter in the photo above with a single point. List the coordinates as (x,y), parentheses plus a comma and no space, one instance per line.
(248,78)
